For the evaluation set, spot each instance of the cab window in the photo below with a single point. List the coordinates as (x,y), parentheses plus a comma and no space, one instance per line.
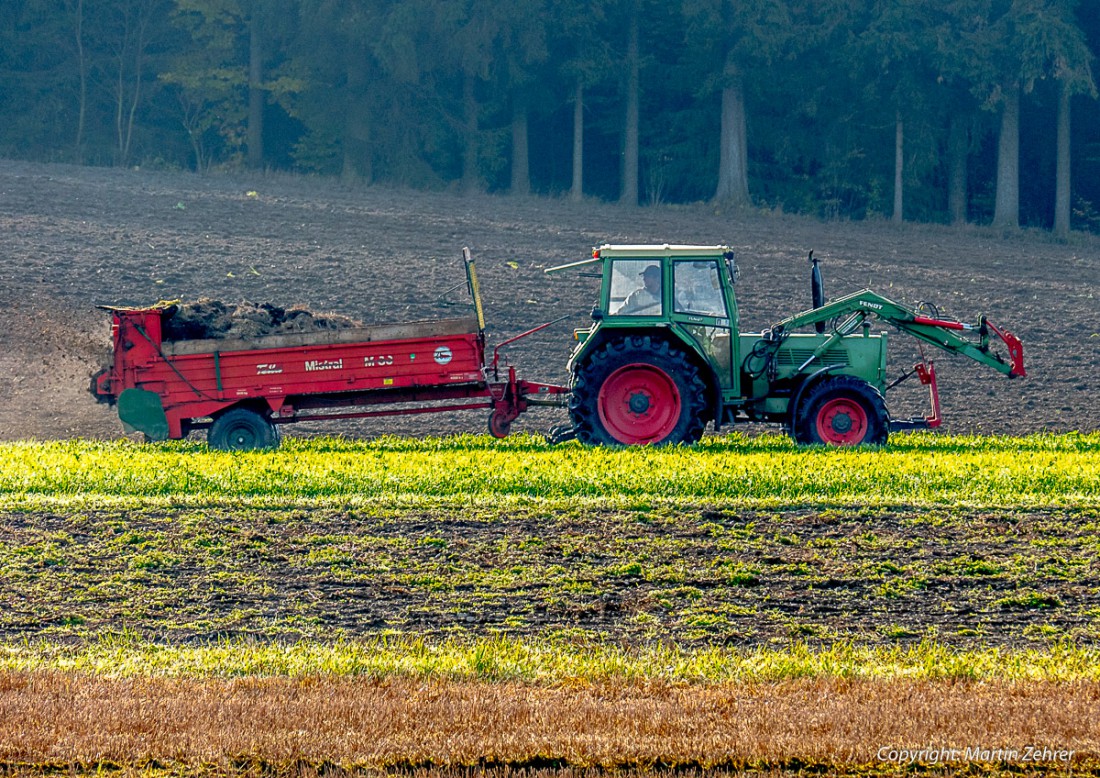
(697,289)
(636,288)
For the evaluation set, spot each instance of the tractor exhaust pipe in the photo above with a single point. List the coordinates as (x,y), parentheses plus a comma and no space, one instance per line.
(817,289)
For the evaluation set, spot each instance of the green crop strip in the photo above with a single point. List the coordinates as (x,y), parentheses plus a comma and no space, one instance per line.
(915,470)
(549,661)
(690,574)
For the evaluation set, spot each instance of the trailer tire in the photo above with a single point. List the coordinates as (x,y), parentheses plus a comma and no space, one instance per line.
(242,429)
(638,390)
(499,424)
(841,411)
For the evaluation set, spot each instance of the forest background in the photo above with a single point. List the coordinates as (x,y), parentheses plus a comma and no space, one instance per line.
(955,111)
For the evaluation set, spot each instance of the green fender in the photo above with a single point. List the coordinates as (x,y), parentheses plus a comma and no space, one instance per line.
(141,411)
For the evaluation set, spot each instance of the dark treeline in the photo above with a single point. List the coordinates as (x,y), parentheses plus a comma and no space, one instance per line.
(925,110)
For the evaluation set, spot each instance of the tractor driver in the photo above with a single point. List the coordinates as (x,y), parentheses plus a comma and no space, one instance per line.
(646,299)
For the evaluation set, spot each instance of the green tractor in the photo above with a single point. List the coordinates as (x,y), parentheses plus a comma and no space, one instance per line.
(665,356)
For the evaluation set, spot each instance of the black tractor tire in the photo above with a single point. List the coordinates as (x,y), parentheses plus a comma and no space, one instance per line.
(638,390)
(242,429)
(841,411)
(560,433)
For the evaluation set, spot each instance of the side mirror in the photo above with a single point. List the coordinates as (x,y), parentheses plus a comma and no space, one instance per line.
(731,267)
(597,313)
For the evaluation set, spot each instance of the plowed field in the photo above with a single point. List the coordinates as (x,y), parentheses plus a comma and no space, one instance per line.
(695,576)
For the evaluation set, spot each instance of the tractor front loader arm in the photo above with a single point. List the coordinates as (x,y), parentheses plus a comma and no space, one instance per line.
(942,333)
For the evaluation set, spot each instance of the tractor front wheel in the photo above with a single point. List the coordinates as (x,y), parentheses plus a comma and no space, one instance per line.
(637,391)
(841,411)
(242,429)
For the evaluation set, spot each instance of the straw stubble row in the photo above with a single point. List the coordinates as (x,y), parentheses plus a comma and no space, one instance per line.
(49,718)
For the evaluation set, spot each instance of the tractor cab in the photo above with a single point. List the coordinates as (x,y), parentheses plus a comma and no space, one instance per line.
(665,333)
(684,293)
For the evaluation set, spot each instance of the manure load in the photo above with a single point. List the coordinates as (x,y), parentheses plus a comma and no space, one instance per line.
(206,319)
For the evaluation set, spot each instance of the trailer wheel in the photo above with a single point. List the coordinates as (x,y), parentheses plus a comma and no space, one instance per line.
(637,391)
(841,411)
(499,424)
(242,429)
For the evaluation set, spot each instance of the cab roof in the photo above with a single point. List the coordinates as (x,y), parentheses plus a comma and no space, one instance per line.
(658,250)
(651,251)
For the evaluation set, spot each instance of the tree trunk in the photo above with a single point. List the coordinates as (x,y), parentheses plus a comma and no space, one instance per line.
(521,171)
(471,179)
(256,97)
(1006,212)
(576,192)
(733,177)
(139,67)
(82,66)
(1062,175)
(957,150)
(193,125)
(899,170)
(629,193)
(130,53)
(358,153)
(120,107)
(358,163)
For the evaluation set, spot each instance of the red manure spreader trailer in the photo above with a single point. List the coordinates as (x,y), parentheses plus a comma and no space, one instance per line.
(242,390)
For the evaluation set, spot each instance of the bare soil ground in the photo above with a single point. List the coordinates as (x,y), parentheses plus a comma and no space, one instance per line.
(690,575)
(71,238)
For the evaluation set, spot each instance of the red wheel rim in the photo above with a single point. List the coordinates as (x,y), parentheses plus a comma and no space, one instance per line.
(842,422)
(498,426)
(639,403)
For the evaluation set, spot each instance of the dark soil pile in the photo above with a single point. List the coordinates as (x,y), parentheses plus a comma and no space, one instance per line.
(206,318)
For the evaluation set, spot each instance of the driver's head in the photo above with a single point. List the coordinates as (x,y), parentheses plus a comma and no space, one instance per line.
(651,277)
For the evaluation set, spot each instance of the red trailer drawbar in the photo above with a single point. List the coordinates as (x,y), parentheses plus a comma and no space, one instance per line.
(241,390)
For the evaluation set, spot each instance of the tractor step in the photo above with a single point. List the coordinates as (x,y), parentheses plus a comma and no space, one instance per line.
(915,423)
(926,372)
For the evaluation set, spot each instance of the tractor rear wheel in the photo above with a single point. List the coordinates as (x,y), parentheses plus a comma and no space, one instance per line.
(841,411)
(242,429)
(635,391)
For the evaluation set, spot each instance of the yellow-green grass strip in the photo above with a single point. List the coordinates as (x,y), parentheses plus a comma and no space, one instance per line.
(921,469)
(552,661)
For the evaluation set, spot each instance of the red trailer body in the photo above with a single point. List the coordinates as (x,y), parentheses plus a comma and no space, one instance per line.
(167,389)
